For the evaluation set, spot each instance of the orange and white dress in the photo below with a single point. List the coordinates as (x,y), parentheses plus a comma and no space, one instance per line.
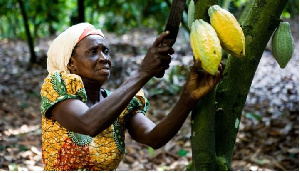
(65,150)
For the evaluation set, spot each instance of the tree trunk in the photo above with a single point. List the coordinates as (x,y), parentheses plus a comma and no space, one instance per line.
(79,17)
(80,6)
(36,29)
(246,10)
(201,7)
(231,92)
(203,123)
(226,4)
(293,4)
(12,33)
(203,134)
(51,29)
(52,15)
(29,37)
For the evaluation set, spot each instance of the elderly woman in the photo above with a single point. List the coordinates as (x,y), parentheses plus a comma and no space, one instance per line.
(83,124)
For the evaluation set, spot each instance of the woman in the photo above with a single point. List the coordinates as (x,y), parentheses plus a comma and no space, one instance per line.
(83,124)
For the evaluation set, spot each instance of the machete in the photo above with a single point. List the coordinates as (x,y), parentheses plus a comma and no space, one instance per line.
(173,22)
(174,19)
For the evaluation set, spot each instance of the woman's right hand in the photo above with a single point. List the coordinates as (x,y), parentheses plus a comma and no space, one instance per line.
(158,57)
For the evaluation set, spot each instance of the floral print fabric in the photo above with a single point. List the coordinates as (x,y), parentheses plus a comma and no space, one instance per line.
(66,150)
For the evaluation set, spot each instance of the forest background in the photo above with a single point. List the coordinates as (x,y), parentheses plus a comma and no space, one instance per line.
(268,137)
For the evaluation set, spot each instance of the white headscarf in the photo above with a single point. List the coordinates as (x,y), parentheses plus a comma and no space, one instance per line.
(61,48)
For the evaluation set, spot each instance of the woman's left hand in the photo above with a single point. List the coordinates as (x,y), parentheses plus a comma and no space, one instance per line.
(201,82)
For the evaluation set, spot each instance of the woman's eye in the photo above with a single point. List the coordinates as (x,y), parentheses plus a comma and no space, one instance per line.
(93,51)
(106,51)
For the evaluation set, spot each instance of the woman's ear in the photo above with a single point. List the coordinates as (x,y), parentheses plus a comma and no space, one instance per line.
(71,65)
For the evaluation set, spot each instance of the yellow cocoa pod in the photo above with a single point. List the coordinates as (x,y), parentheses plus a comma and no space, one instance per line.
(206,45)
(229,31)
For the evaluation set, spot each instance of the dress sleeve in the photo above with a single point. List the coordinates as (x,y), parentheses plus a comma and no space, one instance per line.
(59,86)
(139,104)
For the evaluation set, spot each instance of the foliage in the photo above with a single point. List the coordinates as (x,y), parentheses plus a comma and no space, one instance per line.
(253,116)
(46,17)
(53,16)
(120,16)
(151,151)
(182,152)
(172,83)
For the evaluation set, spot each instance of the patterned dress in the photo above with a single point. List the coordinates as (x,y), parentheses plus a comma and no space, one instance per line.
(66,150)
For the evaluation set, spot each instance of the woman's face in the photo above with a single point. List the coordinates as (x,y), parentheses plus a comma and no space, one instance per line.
(91,60)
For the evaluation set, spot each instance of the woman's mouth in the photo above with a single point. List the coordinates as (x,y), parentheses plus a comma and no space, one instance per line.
(104,70)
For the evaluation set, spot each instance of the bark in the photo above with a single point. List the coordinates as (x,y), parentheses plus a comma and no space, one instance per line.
(246,10)
(11,26)
(80,6)
(231,92)
(52,16)
(203,134)
(36,29)
(28,34)
(201,7)
(293,11)
(226,4)
(203,120)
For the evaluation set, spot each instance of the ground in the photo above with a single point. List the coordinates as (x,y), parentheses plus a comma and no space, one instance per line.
(268,137)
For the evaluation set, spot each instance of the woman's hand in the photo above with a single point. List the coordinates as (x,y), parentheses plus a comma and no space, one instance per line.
(158,57)
(201,82)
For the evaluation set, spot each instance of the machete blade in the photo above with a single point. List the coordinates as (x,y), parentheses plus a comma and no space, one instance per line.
(174,19)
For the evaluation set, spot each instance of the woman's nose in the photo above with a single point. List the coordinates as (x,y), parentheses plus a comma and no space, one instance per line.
(102,58)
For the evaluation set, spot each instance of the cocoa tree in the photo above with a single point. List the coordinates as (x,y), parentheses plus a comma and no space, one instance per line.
(30,40)
(216,118)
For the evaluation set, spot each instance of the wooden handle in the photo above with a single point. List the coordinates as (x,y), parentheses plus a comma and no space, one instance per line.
(172,25)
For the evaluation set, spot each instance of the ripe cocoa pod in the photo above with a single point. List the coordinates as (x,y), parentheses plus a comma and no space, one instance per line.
(206,45)
(191,13)
(283,44)
(228,30)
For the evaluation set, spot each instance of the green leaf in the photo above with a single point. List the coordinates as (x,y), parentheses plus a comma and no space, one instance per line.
(24,105)
(190,167)
(156,91)
(151,151)
(253,116)
(2,147)
(23,148)
(13,167)
(182,152)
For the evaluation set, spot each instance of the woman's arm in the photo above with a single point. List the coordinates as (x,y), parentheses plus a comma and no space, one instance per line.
(75,116)
(143,130)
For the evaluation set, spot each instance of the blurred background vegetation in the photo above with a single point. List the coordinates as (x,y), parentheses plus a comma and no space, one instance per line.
(33,19)
(46,18)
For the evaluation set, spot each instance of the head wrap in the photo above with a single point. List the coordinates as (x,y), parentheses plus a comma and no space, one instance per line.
(61,48)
